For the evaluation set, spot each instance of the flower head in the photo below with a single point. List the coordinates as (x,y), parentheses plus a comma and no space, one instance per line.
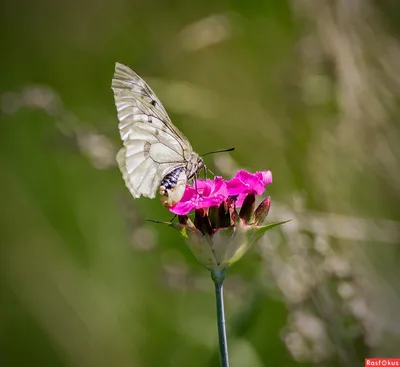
(208,193)
(203,194)
(226,221)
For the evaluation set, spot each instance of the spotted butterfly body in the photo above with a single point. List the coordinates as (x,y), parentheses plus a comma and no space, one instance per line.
(155,155)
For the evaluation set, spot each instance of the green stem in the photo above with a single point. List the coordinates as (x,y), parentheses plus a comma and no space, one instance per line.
(218,279)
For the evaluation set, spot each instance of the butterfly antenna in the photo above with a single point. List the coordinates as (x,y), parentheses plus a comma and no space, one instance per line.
(218,151)
(213,152)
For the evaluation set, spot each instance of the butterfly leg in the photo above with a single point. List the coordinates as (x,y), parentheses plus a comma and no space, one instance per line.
(209,171)
(195,184)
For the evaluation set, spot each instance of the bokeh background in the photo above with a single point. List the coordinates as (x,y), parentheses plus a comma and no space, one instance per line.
(307,89)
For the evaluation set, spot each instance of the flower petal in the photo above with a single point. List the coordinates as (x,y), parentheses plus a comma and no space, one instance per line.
(187,203)
(203,194)
(207,193)
(248,183)
(265,177)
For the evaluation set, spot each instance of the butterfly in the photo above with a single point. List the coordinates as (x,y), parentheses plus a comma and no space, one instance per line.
(155,155)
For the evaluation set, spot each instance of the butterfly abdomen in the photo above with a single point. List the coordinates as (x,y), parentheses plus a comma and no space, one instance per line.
(170,180)
(173,186)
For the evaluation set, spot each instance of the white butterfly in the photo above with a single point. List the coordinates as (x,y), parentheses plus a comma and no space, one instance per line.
(155,153)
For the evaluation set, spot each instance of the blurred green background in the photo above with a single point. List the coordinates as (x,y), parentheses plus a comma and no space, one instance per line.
(307,89)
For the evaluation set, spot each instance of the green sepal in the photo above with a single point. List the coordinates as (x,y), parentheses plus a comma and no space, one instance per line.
(178,226)
(246,238)
(200,246)
(221,242)
(255,233)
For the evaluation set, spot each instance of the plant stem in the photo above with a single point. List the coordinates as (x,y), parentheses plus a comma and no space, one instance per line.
(218,279)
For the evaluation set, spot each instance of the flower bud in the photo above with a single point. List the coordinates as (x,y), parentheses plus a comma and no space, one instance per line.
(260,215)
(247,210)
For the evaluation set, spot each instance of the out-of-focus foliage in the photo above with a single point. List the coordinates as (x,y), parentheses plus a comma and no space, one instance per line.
(307,89)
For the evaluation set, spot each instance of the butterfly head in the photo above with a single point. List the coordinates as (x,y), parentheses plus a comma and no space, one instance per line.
(194,164)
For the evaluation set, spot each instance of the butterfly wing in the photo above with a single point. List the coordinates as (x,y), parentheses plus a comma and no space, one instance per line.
(153,146)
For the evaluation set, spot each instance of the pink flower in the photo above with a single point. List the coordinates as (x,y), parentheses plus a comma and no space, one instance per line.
(248,183)
(207,193)
(219,234)
(203,194)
